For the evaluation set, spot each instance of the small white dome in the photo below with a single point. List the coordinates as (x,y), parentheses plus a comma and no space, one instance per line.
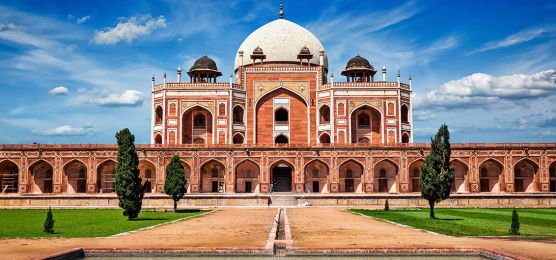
(281,40)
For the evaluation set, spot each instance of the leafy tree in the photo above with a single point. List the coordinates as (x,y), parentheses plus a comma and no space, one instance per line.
(175,181)
(386,206)
(128,183)
(514,229)
(437,177)
(49,222)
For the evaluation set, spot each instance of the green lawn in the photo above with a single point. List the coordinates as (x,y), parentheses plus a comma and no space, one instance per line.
(79,222)
(472,221)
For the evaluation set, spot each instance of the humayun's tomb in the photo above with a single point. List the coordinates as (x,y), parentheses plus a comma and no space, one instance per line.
(282,125)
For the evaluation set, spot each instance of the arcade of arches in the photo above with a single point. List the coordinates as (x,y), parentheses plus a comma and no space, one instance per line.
(382,175)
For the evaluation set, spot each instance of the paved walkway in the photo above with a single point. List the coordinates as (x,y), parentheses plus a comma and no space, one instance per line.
(244,228)
(332,227)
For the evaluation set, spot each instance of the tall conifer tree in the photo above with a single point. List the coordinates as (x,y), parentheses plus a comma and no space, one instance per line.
(174,184)
(128,183)
(437,177)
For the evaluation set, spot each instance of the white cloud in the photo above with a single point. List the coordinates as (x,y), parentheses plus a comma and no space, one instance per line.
(15,111)
(517,38)
(60,90)
(83,19)
(480,90)
(127,98)
(129,30)
(65,130)
(424,115)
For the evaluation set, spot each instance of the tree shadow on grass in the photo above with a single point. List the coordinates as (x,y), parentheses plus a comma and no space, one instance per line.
(149,219)
(187,210)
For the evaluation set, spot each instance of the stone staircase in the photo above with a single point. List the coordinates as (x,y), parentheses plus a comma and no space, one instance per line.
(283,201)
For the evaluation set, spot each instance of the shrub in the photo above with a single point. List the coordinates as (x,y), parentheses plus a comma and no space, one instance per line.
(49,222)
(386,207)
(514,229)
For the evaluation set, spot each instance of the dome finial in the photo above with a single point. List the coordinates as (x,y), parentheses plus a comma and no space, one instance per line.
(281,9)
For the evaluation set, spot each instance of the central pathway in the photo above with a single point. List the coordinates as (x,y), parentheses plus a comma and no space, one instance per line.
(335,228)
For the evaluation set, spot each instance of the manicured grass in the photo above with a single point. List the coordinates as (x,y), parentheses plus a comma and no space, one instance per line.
(472,221)
(79,222)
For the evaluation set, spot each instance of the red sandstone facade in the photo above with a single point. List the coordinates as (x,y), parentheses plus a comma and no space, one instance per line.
(489,168)
(282,125)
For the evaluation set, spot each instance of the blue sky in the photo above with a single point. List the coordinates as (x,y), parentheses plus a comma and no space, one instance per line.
(78,71)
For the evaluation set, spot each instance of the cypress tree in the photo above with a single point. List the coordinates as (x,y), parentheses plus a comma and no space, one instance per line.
(128,183)
(386,206)
(437,177)
(174,184)
(514,229)
(49,222)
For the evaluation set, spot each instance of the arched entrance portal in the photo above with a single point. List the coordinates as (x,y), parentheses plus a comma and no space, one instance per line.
(75,177)
(41,173)
(316,177)
(281,178)
(524,176)
(9,173)
(247,177)
(212,177)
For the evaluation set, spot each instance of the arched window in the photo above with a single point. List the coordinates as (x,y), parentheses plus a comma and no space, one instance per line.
(199,121)
(324,139)
(364,121)
(199,140)
(405,138)
(281,139)
(238,115)
(324,115)
(281,116)
(405,114)
(158,115)
(238,139)
(158,139)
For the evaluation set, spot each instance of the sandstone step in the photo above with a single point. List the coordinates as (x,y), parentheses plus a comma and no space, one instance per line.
(280,201)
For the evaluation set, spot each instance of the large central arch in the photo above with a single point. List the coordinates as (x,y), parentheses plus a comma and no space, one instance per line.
(366,125)
(197,126)
(265,127)
(281,177)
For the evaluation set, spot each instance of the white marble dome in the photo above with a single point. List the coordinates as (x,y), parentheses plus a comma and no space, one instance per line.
(281,41)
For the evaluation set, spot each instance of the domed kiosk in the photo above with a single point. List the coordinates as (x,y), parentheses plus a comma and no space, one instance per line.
(359,69)
(204,70)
